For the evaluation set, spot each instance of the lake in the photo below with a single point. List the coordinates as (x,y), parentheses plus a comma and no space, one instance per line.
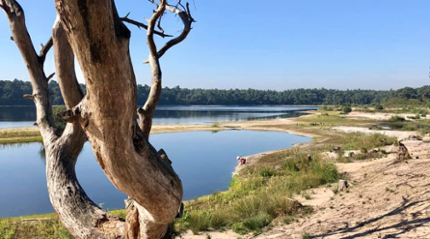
(26,115)
(204,161)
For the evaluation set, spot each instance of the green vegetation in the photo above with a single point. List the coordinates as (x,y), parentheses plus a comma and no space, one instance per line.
(346,109)
(306,236)
(59,123)
(359,141)
(328,120)
(260,194)
(396,119)
(19,135)
(11,93)
(49,229)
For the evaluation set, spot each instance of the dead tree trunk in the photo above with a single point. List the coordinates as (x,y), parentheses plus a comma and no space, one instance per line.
(93,32)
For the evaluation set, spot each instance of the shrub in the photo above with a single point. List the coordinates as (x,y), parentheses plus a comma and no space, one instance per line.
(361,156)
(379,107)
(59,123)
(257,222)
(346,109)
(408,127)
(397,118)
(239,228)
(266,172)
(288,220)
(218,219)
(199,221)
(306,236)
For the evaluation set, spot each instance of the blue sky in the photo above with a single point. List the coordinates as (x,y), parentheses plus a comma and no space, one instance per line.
(280,44)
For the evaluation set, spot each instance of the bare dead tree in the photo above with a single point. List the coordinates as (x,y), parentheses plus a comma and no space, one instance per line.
(93,32)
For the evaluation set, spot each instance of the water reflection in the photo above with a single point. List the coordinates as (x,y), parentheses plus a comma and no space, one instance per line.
(203,160)
(25,116)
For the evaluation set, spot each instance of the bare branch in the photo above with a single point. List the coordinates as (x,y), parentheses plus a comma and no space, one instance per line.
(30,97)
(6,8)
(50,76)
(159,23)
(45,49)
(65,67)
(71,115)
(141,25)
(187,20)
(145,113)
(151,25)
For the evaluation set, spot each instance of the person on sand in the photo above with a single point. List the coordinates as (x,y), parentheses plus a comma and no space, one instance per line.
(241,160)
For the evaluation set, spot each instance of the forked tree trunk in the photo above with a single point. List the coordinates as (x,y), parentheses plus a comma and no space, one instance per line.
(93,32)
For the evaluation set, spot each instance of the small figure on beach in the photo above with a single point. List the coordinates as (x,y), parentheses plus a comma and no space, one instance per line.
(241,160)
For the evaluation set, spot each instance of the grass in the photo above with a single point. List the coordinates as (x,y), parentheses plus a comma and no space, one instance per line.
(359,141)
(49,229)
(259,195)
(19,135)
(11,133)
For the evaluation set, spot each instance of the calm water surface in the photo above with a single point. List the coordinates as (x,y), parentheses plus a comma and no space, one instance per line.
(204,161)
(25,116)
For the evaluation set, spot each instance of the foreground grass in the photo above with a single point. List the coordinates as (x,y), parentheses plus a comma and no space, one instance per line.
(46,226)
(259,195)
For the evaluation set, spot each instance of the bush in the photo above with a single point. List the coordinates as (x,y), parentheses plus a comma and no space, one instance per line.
(239,228)
(346,109)
(199,221)
(361,156)
(266,172)
(288,220)
(408,127)
(218,219)
(256,223)
(397,118)
(59,123)
(379,107)
(306,236)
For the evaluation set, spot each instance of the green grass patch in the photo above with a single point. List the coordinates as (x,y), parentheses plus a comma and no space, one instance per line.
(259,195)
(359,141)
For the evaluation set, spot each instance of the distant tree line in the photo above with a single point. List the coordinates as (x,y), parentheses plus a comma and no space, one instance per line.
(11,93)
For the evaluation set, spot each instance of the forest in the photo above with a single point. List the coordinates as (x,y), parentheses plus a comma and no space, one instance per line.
(11,93)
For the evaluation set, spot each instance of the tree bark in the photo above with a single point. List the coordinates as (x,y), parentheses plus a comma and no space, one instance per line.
(65,192)
(108,115)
